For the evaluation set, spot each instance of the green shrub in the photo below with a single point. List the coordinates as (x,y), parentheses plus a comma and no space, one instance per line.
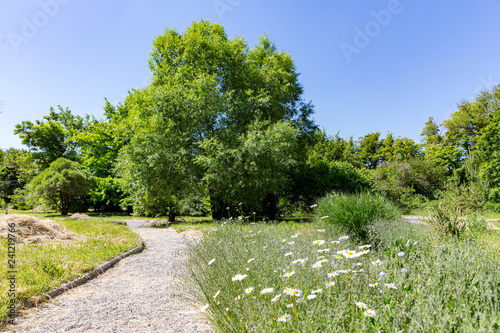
(494,195)
(354,212)
(492,206)
(194,206)
(413,202)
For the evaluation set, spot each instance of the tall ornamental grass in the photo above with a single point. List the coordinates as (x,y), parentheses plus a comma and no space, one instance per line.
(354,212)
(311,278)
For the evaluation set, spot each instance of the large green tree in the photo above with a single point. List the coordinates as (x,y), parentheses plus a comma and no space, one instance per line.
(208,91)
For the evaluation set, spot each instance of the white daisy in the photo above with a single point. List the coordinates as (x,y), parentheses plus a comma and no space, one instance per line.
(369,313)
(239,277)
(361,305)
(266,291)
(285,317)
(275,298)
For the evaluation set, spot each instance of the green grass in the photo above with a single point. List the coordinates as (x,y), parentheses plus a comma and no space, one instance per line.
(46,265)
(353,212)
(440,287)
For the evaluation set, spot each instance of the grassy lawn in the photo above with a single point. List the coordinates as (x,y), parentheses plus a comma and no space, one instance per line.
(292,277)
(43,266)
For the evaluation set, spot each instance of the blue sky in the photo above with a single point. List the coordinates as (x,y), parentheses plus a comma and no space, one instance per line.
(366,65)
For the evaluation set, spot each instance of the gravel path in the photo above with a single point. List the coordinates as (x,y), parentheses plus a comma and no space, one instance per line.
(142,293)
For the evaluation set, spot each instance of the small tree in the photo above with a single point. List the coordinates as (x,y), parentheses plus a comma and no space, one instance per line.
(61,184)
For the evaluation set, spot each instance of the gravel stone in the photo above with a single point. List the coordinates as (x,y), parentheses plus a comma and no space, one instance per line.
(145,292)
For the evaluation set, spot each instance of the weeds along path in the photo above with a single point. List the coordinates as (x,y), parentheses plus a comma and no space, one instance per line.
(142,293)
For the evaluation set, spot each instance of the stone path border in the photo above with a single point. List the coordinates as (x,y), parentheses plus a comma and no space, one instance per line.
(87,276)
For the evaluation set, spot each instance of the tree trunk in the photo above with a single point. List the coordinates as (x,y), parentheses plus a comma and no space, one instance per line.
(171,217)
(271,205)
(217,208)
(64,205)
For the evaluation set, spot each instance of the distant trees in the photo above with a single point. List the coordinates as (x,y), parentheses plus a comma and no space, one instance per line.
(225,125)
(17,168)
(51,138)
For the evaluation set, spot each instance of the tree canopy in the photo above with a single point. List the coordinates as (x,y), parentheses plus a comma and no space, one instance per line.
(210,97)
(50,139)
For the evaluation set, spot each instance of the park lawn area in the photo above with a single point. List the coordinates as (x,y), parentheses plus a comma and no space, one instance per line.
(43,266)
(294,277)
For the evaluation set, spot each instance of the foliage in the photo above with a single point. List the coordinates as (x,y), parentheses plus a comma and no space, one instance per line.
(470,193)
(210,96)
(355,212)
(195,205)
(20,199)
(368,149)
(335,148)
(318,177)
(107,195)
(489,148)
(466,125)
(374,151)
(414,280)
(16,170)
(257,170)
(494,195)
(400,179)
(62,184)
(52,138)
(156,167)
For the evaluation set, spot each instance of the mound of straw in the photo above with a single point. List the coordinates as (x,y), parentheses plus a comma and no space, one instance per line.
(30,229)
(78,216)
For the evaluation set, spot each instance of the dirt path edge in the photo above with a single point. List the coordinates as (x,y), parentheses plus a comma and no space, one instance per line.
(85,277)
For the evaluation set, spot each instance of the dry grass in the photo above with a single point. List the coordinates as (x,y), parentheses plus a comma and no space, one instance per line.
(30,229)
(78,216)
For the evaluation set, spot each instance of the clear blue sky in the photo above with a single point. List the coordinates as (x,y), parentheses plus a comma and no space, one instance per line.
(420,59)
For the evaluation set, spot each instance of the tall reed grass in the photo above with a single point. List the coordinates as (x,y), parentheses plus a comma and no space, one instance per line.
(354,212)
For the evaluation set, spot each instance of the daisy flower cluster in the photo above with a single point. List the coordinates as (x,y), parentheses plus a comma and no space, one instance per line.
(322,258)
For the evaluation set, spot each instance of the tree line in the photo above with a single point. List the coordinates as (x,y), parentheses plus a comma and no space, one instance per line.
(223,129)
